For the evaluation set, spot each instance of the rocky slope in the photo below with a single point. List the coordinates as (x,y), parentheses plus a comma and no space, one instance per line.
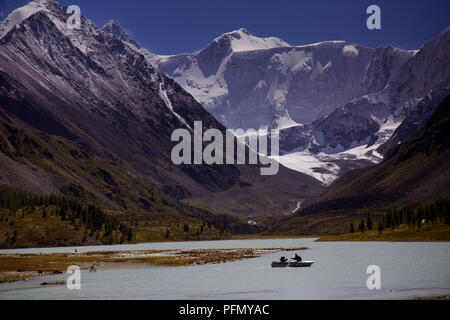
(413,173)
(99,119)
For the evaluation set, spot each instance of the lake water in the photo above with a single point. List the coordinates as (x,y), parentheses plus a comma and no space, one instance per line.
(408,270)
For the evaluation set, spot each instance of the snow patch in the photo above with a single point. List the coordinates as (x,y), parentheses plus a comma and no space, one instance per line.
(165,97)
(310,164)
(294,60)
(206,90)
(322,166)
(261,84)
(285,122)
(350,50)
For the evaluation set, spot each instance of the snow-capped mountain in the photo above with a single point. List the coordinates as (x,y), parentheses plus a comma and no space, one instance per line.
(417,118)
(242,40)
(384,67)
(361,129)
(335,102)
(357,105)
(113,113)
(250,82)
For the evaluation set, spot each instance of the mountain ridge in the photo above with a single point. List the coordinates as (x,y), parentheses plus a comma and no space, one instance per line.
(336,103)
(109,102)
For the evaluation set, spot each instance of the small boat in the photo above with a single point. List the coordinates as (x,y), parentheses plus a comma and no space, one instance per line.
(293,264)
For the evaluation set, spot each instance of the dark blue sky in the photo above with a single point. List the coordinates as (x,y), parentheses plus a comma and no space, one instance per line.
(176,26)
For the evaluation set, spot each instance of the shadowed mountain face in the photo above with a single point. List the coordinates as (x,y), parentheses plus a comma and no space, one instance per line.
(413,173)
(85,114)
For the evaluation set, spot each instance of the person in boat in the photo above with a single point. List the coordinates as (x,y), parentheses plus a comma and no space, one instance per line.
(283,259)
(297,258)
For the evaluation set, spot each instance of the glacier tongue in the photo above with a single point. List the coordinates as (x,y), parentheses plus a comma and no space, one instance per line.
(328,164)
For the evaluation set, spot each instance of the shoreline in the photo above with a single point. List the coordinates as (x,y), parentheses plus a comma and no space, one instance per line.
(16,267)
(368,236)
(235,237)
(437,233)
(444,297)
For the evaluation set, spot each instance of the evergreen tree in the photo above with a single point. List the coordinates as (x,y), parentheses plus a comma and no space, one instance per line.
(447,214)
(369,222)
(63,213)
(388,218)
(408,215)
(362,226)
(14,237)
(380,227)
(17,202)
(420,213)
(395,219)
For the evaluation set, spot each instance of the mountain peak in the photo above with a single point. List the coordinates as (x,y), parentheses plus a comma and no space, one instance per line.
(244,30)
(110,23)
(238,32)
(112,28)
(243,40)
